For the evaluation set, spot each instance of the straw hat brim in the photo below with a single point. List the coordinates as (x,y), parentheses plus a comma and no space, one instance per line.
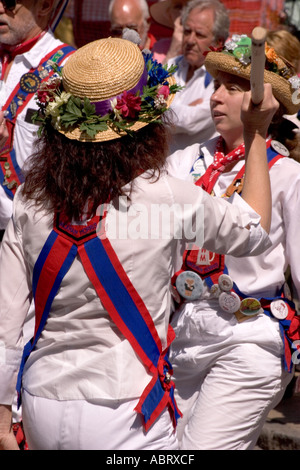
(110,133)
(218,61)
(159,12)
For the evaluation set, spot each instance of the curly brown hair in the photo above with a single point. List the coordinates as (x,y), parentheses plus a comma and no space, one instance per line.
(63,174)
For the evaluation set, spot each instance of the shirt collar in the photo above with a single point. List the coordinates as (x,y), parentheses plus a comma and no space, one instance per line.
(35,55)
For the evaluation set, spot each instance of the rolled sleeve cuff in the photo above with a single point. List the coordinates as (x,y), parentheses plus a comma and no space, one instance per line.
(259,240)
(9,368)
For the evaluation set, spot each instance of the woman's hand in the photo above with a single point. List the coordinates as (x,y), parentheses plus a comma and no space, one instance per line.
(7,437)
(8,442)
(3,130)
(257,118)
(175,48)
(256,187)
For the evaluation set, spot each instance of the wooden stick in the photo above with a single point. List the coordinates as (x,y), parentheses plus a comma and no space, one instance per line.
(258,60)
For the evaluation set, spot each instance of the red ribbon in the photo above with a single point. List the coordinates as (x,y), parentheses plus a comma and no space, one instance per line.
(219,165)
(8,53)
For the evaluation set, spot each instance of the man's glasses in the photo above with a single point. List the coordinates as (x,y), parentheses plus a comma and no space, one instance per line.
(9,4)
(118,31)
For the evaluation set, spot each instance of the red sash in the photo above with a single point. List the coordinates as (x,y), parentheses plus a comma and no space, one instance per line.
(10,172)
(211,265)
(119,297)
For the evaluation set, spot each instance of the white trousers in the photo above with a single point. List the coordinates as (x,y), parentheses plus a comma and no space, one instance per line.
(80,425)
(228,377)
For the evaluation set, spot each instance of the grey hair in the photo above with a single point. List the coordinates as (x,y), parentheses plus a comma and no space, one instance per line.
(222,21)
(143,4)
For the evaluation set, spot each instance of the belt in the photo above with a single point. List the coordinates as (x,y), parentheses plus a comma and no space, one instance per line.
(232,301)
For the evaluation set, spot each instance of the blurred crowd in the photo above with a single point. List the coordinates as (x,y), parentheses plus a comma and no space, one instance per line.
(88,20)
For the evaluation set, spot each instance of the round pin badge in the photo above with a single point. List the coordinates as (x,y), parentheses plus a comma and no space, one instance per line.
(189,285)
(225,282)
(279,309)
(29,82)
(215,291)
(287,291)
(229,302)
(250,306)
(198,165)
(280,148)
(175,294)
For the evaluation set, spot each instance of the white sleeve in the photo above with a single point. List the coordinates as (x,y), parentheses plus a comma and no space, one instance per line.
(14,289)
(180,163)
(222,226)
(5,209)
(291,217)
(192,119)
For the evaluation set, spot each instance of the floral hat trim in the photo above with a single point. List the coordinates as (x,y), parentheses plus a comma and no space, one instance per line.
(66,112)
(239,46)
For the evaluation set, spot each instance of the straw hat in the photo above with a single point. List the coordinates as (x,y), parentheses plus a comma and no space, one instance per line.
(102,83)
(160,11)
(235,59)
(103,69)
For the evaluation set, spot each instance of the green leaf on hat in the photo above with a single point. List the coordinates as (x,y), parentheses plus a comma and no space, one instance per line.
(89,109)
(93,128)
(74,107)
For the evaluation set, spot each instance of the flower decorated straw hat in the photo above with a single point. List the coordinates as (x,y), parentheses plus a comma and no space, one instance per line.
(107,89)
(235,58)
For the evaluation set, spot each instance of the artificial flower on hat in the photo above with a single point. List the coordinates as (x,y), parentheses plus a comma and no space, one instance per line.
(235,58)
(68,101)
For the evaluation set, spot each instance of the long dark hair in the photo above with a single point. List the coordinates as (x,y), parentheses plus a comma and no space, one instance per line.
(63,174)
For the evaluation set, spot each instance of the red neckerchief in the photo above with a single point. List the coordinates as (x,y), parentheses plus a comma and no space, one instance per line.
(208,180)
(8,53)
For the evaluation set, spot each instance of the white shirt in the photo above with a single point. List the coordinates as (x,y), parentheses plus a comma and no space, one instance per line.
(192,124)
(261,275)
(24,132)
(81,354)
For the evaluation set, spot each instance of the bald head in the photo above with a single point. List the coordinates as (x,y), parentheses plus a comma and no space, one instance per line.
(133,14)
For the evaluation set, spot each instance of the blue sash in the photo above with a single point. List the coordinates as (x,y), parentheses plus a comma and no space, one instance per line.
(289,327)
(10,173)
(120,299)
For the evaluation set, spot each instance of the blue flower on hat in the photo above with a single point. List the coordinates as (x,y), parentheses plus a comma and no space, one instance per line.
(157,74)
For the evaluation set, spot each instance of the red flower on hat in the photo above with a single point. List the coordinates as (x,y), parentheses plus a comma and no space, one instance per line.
(47,90)
(129,105)
(42,96)
(213,49)
(164,90)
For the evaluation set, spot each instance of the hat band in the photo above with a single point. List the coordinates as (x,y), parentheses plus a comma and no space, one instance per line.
(104,107)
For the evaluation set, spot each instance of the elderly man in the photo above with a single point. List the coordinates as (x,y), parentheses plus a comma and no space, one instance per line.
(27,47)
(133,14)
(205,23)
